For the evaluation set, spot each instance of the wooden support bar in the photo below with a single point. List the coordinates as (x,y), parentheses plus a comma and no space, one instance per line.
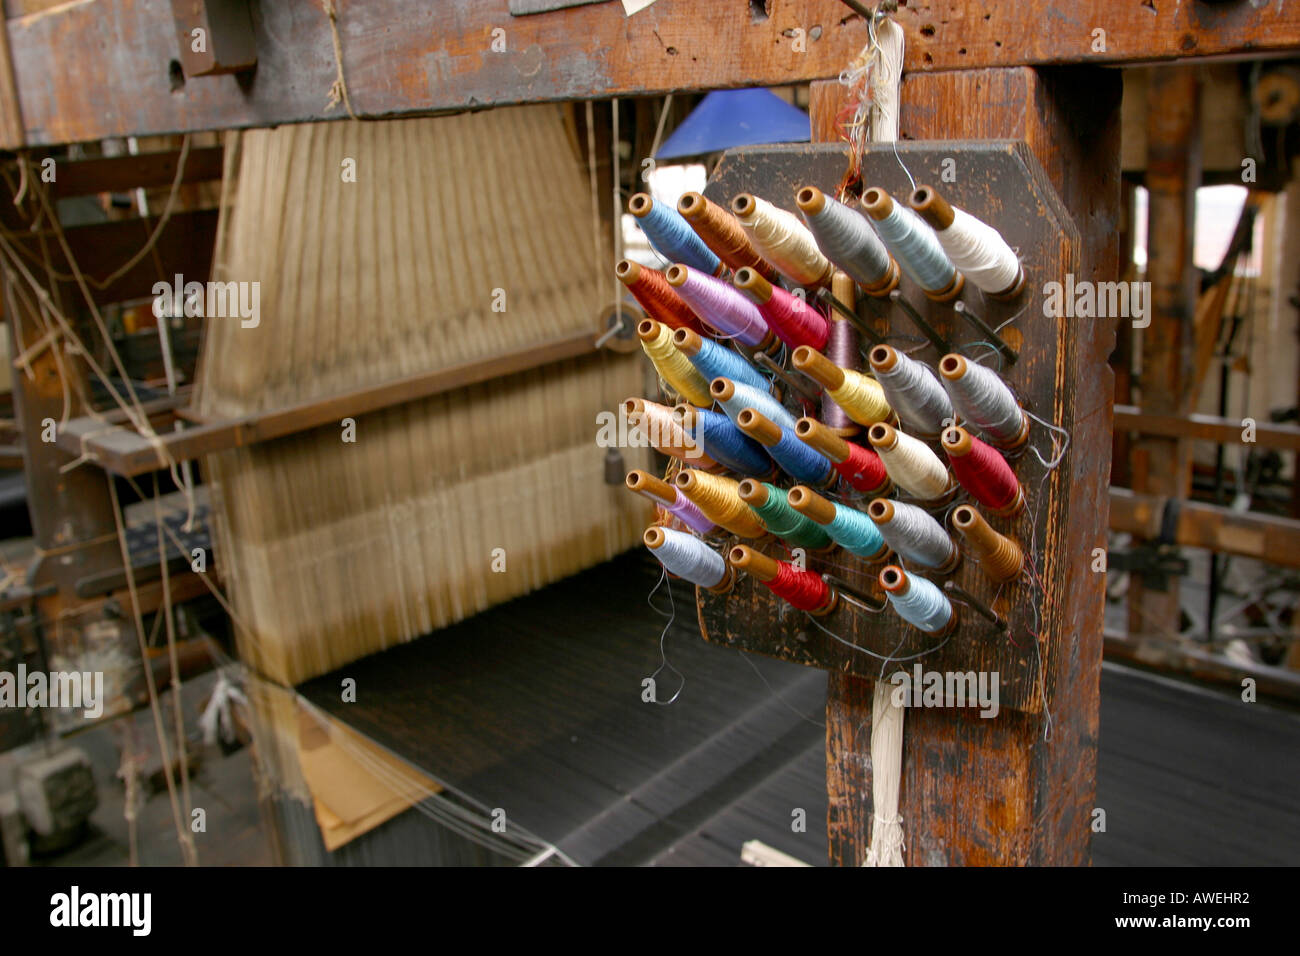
(82,177)
(1225,431)
(1162,656)
(185,247)
(399,58)
(123,451)
(1222,530)
(1173,174)
(992,791)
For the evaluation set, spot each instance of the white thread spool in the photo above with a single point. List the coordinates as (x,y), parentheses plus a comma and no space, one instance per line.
(974,247)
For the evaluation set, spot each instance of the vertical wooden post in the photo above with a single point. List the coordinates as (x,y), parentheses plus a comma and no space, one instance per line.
(992,791)
(1172,176)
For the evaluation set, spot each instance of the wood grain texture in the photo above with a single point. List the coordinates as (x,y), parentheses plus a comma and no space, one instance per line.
(1000,182)
(993,791)
(113,55)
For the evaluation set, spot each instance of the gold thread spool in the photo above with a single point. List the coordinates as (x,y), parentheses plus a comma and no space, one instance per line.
(881,511)
(659,423)
(783,240)
(673,366)
(956,441)
(999,557)
(816,508)
(717,497)
(762,568)
(812,201)
(824,439)
(953,367)
(936,211)
(895,581)
(722,233)
(911,464)
(862,398)
(653,538)
(878,205)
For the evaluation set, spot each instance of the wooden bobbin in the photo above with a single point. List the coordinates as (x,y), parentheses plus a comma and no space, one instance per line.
(881,511)
(895,581)
(879,204)
(1000,558)
(824,439)
(884,438)
(812,505)
(648,486)
(956,441)
(812,201)
(723,234)
(654,538)
(934,209)
(676,275)
(953,367)
(759,566)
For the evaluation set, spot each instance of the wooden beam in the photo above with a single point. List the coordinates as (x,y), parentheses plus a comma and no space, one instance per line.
(1226,431)
(123,451)
(1199,525)
(114,76)
(1173,174)
(82,177)
(1165,657)
(992,791)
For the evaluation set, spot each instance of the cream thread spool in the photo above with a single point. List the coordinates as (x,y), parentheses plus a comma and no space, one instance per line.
(783,240)
(912,465)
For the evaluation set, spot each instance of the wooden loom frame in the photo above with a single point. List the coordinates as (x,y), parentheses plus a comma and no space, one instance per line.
(1028,802)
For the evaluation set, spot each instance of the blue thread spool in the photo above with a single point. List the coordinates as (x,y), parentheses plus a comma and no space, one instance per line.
(914,245)
(801,462)
(671,235)
(717,361)
(724,442)
(850,529)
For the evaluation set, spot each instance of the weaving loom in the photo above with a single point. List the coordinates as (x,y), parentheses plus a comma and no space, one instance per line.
(337,549)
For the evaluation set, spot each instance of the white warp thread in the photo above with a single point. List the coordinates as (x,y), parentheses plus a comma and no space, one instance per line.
(886,777)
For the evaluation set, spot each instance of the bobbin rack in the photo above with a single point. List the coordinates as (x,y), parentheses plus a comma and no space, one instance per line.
(1001,183)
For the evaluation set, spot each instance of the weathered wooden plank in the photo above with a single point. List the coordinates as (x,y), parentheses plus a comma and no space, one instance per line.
(1228,431)
(114,56)
(1200,525)
(82,177)
(992,791)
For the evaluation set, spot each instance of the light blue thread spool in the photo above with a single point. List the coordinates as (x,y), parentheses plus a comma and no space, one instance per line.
(920,602)
(912,242)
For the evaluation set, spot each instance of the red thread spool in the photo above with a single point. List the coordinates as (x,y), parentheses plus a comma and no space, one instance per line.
(802,589)
(981,470)
(863,470)
(793,320)
(660,301)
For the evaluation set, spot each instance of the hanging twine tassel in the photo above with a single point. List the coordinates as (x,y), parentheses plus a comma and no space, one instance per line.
(886,779)
(886,720)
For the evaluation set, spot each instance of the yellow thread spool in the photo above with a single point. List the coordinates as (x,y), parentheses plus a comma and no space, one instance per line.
(671,364)
(861,398)
(718,497)
(911,464)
